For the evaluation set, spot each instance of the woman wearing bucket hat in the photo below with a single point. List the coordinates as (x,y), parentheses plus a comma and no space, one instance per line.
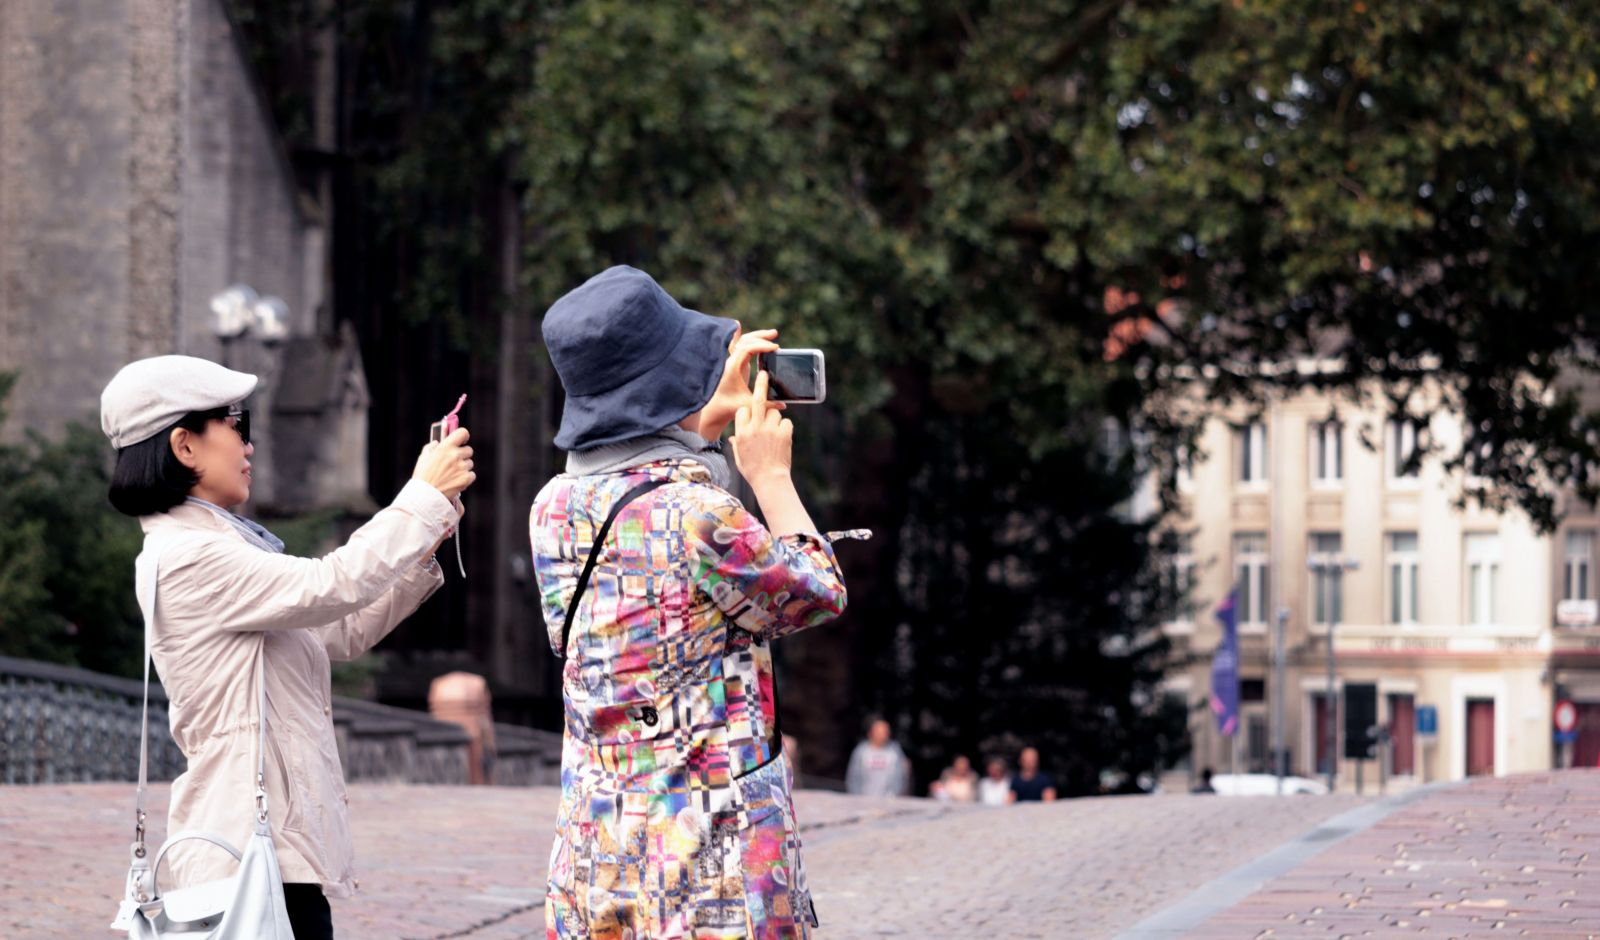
(229,607)
(662,594)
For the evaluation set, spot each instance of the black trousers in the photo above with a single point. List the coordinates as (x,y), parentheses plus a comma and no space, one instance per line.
(309,915)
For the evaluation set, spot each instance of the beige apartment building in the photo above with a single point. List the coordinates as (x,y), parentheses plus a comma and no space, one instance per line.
(1467,613)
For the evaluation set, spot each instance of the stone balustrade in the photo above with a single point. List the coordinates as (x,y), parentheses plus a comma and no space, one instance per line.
(59,724)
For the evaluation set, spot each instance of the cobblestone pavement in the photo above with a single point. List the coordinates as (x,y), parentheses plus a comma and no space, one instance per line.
(1507,857)
(470,862)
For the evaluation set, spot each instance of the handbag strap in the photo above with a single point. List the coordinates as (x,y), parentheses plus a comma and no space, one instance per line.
(594,554)
(146,570)
(145,588)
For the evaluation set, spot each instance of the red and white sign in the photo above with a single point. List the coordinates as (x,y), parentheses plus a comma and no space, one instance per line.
(1578,613)
(1566,716)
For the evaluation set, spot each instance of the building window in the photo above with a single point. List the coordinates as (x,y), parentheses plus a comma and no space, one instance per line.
(1183,469)
(1327,452)
(1403,563)
(1327,600)
(1180,576)
(1576,585)
(1402,446)
(1483,567)
(1252,568)
(1250,452)
(1257,751)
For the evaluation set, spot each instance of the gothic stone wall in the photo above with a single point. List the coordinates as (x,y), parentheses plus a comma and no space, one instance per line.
(139,174)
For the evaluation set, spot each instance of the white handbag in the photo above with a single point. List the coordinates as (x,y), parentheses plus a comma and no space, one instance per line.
(249,905)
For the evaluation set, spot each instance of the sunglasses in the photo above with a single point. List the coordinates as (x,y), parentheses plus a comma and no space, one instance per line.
(239,420)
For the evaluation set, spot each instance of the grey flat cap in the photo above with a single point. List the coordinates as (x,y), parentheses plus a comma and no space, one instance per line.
(148,396)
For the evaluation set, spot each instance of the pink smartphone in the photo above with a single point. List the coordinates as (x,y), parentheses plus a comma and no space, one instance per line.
(447,425)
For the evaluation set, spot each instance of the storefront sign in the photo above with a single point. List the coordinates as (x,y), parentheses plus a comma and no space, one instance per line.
(1578,613)
(1427,721)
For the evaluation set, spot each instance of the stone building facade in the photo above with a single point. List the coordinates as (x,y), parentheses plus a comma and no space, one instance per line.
(140,173)
(1469,613)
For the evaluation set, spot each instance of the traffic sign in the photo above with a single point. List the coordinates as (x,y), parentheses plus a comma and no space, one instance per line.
(1566,737)
(1427,721)
(1566,716)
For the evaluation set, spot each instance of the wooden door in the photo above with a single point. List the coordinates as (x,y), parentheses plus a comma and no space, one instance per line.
(1586,750)
(1319,733)
(1402,735)
(1480,737)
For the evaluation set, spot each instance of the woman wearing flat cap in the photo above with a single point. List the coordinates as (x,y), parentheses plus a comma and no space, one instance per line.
(675,816)
(229,606)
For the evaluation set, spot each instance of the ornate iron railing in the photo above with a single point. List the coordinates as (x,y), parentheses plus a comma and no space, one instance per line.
(59,724)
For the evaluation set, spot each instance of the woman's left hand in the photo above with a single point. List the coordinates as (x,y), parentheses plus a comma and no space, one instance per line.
(734,389)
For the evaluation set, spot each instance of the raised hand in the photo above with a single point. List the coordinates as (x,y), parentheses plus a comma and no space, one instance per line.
(447,465)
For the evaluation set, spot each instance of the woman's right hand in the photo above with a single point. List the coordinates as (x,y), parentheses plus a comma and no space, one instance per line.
(763,440)
(447,465)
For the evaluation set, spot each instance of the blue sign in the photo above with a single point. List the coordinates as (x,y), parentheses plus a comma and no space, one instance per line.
(1427,721)
(1567,737)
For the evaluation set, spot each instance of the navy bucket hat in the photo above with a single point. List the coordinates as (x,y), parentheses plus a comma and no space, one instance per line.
(631,359)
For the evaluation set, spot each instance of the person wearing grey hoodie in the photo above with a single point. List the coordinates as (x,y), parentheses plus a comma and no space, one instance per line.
(878,767)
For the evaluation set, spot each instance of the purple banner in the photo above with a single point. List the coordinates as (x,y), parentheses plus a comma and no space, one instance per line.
(1225,668)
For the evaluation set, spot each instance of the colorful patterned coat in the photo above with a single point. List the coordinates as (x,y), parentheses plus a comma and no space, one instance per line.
(675,818)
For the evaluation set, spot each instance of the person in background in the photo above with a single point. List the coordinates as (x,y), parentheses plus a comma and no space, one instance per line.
(878,767)
(995,788)
(1204,786)
(791,750)
(958,783)
(1032,785)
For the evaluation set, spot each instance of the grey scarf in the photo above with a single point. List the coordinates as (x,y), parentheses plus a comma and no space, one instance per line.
(254,532)
(666,444)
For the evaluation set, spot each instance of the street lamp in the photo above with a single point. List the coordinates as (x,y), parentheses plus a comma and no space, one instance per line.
(238,309)
(1332,564)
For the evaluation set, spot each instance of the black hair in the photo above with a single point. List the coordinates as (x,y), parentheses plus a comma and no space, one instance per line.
(148,477)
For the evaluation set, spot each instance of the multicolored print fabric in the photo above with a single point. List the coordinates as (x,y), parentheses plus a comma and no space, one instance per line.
(676,818)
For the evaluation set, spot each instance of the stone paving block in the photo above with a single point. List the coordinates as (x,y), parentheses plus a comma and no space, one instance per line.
(458,861)
(1493,857)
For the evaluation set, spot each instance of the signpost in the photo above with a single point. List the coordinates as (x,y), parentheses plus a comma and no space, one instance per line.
(1566,728)
(1427,732)
(1427,721)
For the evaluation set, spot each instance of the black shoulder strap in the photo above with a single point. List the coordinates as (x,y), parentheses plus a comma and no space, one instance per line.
(594,554)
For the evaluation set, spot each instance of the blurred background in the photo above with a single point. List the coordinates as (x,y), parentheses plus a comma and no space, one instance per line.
(1132,310)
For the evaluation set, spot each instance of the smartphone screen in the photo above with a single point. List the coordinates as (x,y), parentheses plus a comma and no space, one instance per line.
(795,375)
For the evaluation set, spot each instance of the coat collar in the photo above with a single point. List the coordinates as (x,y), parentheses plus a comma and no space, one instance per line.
(183,516)
(677,470)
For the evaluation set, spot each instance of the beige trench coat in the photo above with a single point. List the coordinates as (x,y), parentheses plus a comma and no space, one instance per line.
(220,604)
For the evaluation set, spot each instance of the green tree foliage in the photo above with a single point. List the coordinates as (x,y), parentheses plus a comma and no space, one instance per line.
(802,166)
(817,168)
(943,195)
(66,557)
(1406,191)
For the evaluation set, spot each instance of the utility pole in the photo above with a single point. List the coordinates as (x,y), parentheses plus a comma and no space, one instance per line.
(1331,709)
(1327,564)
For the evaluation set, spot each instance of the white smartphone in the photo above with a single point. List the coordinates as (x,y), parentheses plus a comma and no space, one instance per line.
(796,376)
